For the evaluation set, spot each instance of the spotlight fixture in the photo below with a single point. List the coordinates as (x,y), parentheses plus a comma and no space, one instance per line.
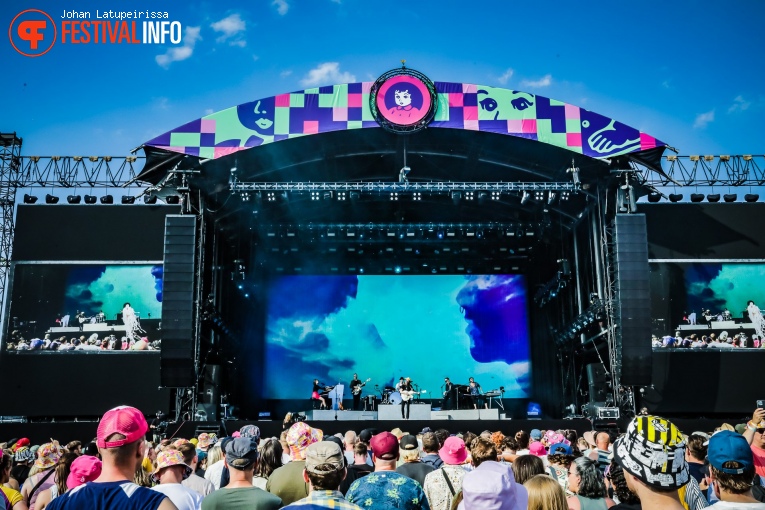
(417,196)
(271,196)
(469,195)
(539,196)
(29,199)
(91,199)
(697,197)
(456,196)
(730,197)
(565,195)
(51,199)
(714,198)
(355,195)
(107,199)
(654,197)
(245,196)
(397,269)
(751,197)
(342,196)
(551,196)
(73,199)
(394,196)
(127,200)
(149,199)
(675,197)
(495,195)
(315,195)
(525,197)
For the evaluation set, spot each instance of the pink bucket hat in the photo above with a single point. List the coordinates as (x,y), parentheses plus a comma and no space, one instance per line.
(299,437)
(84,469)
(453,451)
(206,441)
(538,449)
(168,458)
(48,455)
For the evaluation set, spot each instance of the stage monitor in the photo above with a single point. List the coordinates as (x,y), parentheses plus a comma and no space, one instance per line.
(53,306)
(385,327)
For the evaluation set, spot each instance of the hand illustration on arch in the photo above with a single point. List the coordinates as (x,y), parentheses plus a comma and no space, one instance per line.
(613,138)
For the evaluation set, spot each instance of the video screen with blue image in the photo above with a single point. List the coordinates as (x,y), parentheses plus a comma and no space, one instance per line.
(384,327)
(75,300)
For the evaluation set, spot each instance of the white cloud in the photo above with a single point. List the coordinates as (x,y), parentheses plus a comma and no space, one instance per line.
(703,119)
(505,77)
(281,6)
(327,73)
(179,53)
(545,81)
(285,73)
(739,105)
(242,43)
(208,111)
(666,84)
(230,25)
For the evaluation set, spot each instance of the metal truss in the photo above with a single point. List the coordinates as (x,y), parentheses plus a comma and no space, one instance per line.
(723,170)
(10,149)
(77,171)
(402,187)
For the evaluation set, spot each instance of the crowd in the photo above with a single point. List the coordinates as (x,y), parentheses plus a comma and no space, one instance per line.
(711,341)
(90,343)
(652,465)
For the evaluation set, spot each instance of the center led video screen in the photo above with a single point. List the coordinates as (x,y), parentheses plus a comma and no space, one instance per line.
(391,326)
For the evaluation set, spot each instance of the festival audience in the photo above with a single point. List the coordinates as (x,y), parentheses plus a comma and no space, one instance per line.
(731,471)
(171,470)
(412,467)
(545,494)
(445,482)
(526,466)
(194,481)
(585,480)
(287,481)
(324,471)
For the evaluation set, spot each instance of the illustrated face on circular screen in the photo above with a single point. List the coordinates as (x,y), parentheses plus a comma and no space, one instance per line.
(403,100)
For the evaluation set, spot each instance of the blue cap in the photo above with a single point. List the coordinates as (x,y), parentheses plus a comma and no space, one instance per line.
(560,449)
(726,446)
(536,434)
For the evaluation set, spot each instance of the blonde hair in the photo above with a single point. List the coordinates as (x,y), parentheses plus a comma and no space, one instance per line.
(214,455)
(545,493)
(410,455)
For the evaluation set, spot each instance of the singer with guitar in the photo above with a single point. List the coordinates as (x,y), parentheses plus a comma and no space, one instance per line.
(448,388)
(406,390)
(356,385)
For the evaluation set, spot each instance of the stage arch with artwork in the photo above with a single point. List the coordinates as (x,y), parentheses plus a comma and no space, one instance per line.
(370,105)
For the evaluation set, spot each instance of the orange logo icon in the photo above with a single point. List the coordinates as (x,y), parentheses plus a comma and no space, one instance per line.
(30,33)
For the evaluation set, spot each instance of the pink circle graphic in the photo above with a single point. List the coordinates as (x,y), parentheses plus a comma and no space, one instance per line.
(403,100)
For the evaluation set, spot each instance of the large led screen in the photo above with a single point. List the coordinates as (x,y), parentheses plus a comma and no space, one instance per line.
(386,327)
(74,300)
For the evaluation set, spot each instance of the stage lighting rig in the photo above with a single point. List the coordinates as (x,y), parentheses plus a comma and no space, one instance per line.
(403,174)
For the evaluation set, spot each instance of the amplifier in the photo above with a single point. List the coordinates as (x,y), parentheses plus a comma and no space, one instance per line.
(611,413)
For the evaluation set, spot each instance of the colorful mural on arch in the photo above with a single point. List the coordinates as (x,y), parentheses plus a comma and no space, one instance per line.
(460,106)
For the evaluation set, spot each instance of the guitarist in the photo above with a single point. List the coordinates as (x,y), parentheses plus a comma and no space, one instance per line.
(356,385)
(406,398)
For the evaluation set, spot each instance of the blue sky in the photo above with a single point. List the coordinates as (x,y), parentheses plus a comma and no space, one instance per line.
(690,74)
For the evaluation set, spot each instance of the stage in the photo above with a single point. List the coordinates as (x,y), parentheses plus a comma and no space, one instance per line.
(417,412)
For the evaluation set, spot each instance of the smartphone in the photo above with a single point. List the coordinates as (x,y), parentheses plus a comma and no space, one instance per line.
(760,404)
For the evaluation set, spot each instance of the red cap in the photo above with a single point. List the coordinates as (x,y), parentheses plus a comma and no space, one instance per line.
(124,420)
(384,446)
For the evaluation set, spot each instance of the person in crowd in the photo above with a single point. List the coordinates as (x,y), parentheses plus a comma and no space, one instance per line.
(731,471)
(23,458)
(537,448)
(11,498)
(324,471)
(657,484)
(385,489)
(482,450)
(445,482)
(285,447)
(492,486)
(193,481)
(560,457)
(522,438)
(214,466)
(287,481)
(171,470)
(120,439)
(545,493)
(412,467)
(346,482)
(349,441)
(696,454)
(627,500)
(62,468)
(430,448)
(509,449)
(270,460)
(601,452)
(360,466)
(526,466)
(43,473)
(755,436)
(241,457)
(585,480)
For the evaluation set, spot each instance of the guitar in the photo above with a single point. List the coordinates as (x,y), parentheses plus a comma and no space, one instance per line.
(406,395)
(357,389)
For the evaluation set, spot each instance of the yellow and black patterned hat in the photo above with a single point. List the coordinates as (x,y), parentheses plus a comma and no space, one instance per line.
(653,450)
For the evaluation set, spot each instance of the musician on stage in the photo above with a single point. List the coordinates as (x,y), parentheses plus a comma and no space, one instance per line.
(356,383)
(448,387)
(317,386)
(406,386)
(474,390)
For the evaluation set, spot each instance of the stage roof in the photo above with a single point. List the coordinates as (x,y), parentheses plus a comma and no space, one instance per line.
(479,133)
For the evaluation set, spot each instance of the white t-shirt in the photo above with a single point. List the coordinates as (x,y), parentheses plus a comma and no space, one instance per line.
(214,472)
(182,497)
(729,505)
